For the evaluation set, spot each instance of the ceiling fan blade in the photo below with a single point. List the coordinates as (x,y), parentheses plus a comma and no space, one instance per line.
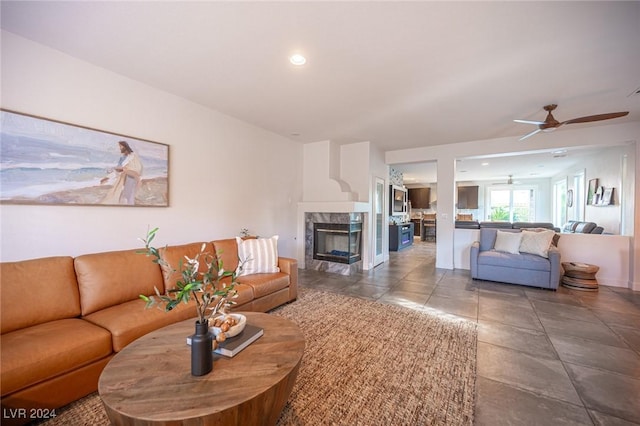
(598,117)
(529,122)
(530,134)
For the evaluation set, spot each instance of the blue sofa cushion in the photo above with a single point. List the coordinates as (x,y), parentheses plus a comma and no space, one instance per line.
(517,261)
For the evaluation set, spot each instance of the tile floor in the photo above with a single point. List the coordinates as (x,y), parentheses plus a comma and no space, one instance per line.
(544,357)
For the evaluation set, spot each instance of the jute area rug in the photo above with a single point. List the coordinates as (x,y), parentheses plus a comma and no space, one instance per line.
(365,363)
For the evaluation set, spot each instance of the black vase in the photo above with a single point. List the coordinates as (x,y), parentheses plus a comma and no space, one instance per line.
(201,350)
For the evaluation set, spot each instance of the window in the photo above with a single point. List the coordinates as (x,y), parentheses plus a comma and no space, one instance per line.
(512,204)
(578,196)
(560,202)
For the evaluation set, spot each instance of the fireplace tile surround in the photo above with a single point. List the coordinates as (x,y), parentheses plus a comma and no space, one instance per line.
(311,218)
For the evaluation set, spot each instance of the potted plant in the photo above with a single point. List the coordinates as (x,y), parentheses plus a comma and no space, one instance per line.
(211,295)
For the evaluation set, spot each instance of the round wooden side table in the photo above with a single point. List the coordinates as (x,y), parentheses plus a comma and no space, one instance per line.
(580,276)
(149,382)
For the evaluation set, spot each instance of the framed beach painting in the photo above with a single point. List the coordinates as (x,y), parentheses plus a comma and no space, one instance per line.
(44,161)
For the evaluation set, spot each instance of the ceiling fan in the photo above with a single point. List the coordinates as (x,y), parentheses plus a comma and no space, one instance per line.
(550,123)
(509,181)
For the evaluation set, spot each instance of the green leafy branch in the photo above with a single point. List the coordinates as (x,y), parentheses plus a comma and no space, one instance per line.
(210,294)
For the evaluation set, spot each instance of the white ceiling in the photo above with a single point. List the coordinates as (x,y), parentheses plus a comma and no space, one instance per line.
(398,74)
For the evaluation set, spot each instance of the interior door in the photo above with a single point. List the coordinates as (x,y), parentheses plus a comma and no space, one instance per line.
(379,221)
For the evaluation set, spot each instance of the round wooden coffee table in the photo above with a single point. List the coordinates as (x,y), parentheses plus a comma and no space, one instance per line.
(149,382)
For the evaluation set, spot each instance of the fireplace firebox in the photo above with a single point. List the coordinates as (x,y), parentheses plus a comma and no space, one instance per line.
(337,242)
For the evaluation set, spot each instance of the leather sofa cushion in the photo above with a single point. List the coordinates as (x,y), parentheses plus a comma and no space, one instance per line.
(264,284)
(227,250)
(38,353)
(174,255)
(129,320)
(51,287)
(107,279)
(245,294)
(515,261)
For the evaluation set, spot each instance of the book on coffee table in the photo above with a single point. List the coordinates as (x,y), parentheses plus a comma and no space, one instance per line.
(233,345)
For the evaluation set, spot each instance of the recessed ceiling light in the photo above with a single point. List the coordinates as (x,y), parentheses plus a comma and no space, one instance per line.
(297,59)
(485,164)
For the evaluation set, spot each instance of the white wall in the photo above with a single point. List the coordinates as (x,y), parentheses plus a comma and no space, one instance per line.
(341,178)
(607,167)
(224,173)
(321,174)
(355,168)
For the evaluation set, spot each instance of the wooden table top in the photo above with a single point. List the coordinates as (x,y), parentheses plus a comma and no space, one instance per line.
(150,381)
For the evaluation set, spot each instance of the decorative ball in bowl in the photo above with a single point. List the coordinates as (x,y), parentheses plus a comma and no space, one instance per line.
(229,324)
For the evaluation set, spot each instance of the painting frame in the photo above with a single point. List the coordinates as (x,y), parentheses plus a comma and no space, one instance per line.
(570,198)
(44,161)
(591,191)
(607,197)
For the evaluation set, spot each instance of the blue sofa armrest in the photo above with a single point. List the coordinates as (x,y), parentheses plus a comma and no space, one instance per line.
(555,272)
(475,251)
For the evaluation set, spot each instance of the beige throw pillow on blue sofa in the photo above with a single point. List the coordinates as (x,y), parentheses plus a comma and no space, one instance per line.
(508,242)
(536,242)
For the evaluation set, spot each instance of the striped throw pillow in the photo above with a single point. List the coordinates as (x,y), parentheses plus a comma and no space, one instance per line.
(257,255)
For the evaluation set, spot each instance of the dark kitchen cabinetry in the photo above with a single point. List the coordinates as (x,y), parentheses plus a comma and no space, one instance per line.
(467,197)
(416,227)
(400,236)
(420,198)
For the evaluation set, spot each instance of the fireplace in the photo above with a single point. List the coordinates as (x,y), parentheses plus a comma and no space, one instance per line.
(337,242)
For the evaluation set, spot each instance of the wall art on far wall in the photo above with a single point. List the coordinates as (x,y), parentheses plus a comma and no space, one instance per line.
(607,197)
(570,198)
(591,191)
(44,161)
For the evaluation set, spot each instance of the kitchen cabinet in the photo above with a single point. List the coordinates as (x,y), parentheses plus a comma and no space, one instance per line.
(420,198)
(467,197)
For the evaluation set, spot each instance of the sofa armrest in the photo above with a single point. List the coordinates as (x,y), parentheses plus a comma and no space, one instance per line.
(290,267)
(475,251)
(555,272)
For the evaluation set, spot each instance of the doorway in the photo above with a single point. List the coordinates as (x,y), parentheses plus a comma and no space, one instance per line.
(379,222)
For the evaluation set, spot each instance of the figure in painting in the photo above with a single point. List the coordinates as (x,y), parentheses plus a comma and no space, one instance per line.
(125,177)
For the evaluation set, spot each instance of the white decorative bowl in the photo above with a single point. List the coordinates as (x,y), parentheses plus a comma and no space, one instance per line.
(233,331)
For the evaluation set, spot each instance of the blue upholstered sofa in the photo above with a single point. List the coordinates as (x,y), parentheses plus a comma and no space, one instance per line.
(522,268)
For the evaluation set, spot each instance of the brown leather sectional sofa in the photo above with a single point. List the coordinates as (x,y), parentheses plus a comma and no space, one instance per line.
(64,318)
